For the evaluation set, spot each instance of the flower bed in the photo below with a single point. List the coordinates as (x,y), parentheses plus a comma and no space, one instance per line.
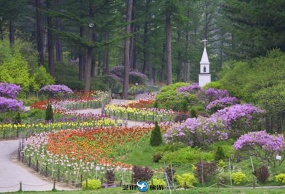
(15,130)
(72,154)
(142,114)
(95,99)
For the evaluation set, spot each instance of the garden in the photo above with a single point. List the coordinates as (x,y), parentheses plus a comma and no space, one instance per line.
(191,137)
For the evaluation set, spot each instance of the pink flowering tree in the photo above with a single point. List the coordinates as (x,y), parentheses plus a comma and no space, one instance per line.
(262,145)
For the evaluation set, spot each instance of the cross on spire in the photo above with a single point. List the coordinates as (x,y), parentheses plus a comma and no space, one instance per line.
(205,42)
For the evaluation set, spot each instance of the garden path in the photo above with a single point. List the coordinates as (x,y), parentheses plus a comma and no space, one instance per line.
(13,172)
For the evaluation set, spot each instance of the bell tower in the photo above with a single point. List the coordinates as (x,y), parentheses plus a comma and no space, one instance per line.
(204,75)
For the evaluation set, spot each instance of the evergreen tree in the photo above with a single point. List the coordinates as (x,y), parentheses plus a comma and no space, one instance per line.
(156,137)
(49,113)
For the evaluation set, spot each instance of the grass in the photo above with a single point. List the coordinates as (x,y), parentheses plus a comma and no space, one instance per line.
(180,191)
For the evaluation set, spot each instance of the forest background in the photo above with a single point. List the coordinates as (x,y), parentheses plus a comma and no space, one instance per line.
(78,43)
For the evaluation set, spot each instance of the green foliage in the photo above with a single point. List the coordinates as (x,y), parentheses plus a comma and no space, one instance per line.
(41,77)
(36,113)
(197,109)
(169,98)
(17,119)
(49,113)
(280,178)
(91,184)
(20,67)
(156,181)
(156,137)
(156,157)
(215,85)
(252,81)
(220,154)
(238,177)
(227,146)
(205,170)
(186,179)
(187,155)
(106,82)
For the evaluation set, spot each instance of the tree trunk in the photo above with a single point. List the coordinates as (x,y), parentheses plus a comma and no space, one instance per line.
(89,52)
(58,42)
(11,33)
(163,60)
(168,48)
(81,64)
(179,57)
(106,56)
(40,44)
(127,50)
(50,41)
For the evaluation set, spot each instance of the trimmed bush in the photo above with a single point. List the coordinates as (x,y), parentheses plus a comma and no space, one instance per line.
(141,173)
(186,179)
(91,184)
(156,137)
(238,177)
(261,174)
(280,178)
(49,113)
(156,181)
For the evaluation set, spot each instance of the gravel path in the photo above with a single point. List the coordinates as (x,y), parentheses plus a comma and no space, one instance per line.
(12,172)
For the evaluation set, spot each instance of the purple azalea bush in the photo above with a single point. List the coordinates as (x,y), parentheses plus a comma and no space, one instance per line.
(262,145)
(197,132)
(192,88)
(221,103)
(10,105)
(9,90)
(56,89)
(211,94)
(226,123)
(238,117)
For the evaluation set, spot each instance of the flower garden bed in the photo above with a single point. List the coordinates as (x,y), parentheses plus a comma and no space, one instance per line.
(77,154)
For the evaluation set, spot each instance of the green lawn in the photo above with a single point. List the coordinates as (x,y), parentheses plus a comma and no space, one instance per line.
(192,191)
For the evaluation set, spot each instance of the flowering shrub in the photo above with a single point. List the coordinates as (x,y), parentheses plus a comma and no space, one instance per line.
(192,88)
(54,90)
(221,103)
(8,105)
(9,90)
(137,77)
(255,142)
(238,117)
(199,131)
(211,94)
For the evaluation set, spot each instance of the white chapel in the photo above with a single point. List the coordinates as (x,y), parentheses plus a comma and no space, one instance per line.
(204,75)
